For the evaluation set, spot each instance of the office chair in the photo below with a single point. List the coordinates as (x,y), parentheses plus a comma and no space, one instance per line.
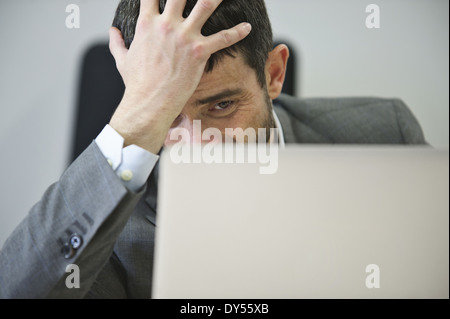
(101,89)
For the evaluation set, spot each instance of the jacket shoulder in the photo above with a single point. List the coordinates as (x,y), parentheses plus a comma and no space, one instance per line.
(351,120)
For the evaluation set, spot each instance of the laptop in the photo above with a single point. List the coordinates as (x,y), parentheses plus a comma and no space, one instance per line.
(331,222)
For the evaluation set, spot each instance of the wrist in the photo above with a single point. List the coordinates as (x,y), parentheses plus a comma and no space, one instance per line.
(141,124)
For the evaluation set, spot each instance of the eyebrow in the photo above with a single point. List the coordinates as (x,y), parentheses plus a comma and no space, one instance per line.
(219,96)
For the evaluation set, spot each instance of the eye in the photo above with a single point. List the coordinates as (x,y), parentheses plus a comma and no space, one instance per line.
(222,106)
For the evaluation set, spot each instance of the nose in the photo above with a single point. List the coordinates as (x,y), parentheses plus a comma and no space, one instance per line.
(184,129)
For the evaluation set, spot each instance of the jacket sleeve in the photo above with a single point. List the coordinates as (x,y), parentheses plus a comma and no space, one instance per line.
(409,126)
(77,221)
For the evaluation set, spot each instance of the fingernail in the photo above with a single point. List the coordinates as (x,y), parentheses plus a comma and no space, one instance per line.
(247,27)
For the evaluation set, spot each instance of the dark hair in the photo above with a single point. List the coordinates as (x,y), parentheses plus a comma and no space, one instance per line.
(255,47)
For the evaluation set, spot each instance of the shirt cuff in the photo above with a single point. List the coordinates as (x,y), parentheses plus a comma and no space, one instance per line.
(132,164)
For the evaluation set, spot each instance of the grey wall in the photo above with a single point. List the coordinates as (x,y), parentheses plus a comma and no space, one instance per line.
(408,57)
(39,62)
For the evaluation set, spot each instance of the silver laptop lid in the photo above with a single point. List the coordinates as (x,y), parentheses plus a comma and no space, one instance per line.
(332,222)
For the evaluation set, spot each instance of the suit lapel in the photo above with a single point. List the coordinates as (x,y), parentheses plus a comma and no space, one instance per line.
(304,132)
(288,131)
(152,195)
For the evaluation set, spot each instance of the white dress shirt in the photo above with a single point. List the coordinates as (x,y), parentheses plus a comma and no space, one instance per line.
(132,164)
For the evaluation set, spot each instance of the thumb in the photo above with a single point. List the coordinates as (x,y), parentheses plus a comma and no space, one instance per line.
(117,45)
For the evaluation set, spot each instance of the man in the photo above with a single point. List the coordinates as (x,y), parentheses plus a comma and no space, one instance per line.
(181,60)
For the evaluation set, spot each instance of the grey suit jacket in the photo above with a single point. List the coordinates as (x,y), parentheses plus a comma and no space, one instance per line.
(116,227)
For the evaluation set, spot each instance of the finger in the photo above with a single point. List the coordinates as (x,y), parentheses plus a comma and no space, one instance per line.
(175,8)
(202,12)
(117,45)
(227,38)
(148,8)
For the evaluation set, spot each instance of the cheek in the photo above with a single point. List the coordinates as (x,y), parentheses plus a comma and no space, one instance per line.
(254,116)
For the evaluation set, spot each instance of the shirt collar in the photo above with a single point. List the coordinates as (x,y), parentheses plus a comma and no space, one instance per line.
(278,126)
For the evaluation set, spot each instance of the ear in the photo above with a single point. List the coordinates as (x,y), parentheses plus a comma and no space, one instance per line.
(276,70)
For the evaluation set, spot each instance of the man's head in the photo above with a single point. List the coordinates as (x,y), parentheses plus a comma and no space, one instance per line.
(249,72)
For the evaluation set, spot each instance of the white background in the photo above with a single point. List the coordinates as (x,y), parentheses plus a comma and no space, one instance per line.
(40,59)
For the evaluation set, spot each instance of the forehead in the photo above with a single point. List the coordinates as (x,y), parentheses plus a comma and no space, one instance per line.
(228,73)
